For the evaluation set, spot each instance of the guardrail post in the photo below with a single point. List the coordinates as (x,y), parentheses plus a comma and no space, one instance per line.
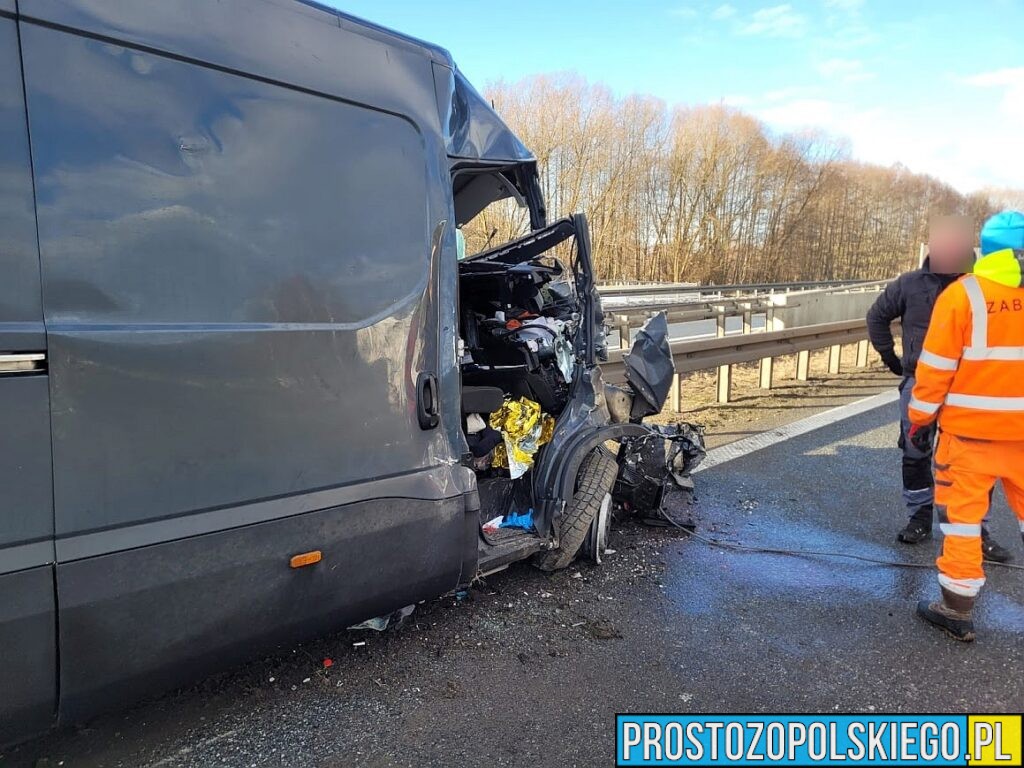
(675,394)
(862,353)
(624,333)
(724,371)
(767,363)
(720,321)
(835,358)
(724,384)
(803,365)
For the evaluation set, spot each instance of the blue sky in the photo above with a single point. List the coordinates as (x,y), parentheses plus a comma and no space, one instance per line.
(938,86)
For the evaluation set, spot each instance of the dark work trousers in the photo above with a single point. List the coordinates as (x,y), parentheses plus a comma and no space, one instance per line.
(918,481)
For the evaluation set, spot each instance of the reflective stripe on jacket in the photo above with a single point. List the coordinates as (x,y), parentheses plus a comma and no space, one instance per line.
(971,371)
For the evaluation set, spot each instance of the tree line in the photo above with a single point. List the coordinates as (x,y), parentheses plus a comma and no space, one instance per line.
(708,193)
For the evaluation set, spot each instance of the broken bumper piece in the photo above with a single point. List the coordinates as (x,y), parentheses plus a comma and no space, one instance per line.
(653,484)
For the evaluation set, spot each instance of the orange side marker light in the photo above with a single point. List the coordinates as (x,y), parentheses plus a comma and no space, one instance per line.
(306,558)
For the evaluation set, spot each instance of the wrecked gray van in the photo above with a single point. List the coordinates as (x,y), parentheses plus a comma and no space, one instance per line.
(249,394)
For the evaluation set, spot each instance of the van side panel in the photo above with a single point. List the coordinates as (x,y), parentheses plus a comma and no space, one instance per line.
(135,627)
(241,288)
(28,680)
(28,674)
(26,500)
(283,40)
(237,285)
(21,316)
(26,514)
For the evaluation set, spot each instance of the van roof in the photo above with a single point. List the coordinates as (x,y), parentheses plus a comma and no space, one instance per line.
(379,31)
(482,134)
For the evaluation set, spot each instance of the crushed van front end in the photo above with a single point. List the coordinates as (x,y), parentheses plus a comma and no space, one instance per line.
(532,337)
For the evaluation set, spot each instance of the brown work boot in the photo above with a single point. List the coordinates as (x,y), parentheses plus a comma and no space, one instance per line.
(952,614)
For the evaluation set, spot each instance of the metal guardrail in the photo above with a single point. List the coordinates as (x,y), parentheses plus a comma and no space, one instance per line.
(702,354)
(725,351)
(627,318)
(643,311)
(662,289)
(695,299)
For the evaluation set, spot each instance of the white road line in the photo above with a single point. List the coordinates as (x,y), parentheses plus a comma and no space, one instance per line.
(772,437)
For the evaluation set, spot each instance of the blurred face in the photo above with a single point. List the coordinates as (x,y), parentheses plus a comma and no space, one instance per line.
(951,247)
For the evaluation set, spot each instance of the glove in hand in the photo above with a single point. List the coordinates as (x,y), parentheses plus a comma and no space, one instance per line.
(892,362)
(921,437)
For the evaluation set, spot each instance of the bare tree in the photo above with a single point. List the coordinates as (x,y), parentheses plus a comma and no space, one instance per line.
(708,193)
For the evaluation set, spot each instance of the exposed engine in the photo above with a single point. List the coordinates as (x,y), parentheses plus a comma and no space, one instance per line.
(518,327)
(531,334)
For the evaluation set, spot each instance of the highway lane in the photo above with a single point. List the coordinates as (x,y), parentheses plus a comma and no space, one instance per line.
(530,668)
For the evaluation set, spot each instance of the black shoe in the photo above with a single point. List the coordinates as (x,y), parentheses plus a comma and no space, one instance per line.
(992,551)
(958,629)
(915,531)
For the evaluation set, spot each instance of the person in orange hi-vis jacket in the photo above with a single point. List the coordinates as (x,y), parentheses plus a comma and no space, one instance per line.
(971,378)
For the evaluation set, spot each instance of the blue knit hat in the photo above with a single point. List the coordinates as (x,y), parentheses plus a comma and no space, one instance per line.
(1004,230)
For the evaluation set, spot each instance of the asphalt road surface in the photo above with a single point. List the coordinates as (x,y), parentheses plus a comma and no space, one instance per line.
(531,668)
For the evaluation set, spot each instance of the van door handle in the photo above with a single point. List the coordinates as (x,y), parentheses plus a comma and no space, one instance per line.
(427,406)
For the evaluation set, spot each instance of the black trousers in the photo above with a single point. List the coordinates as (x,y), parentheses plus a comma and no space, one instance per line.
(918,480)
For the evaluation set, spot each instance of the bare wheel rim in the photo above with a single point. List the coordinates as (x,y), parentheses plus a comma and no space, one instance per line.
(597,536)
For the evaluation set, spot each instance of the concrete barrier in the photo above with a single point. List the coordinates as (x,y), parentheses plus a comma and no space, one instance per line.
(793,310)
(805,313)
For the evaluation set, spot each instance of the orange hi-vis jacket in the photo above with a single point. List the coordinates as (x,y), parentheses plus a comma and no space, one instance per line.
(971,372)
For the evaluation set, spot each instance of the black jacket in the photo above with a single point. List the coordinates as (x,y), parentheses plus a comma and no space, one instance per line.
(909,298)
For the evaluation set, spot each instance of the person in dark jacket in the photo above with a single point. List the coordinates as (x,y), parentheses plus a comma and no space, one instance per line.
(910,299)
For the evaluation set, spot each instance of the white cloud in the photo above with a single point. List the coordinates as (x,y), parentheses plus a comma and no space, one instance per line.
(961,150)
(847,6)
(775,21)
(850,37)
(1007,76)
(844,70)
(1011,80)
(684,11)
(791,93)
(737,100)
(722,12)
(802,113)
(844,27)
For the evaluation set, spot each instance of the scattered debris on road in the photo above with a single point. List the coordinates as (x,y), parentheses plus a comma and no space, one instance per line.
(654,483)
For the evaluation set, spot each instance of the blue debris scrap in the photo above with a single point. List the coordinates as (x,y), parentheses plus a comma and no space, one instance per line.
(515,520)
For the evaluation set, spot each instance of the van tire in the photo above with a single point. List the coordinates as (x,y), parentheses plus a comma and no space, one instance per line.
(594,481)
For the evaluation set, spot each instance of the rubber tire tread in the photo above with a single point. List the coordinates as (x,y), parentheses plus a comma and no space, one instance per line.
(593,482)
